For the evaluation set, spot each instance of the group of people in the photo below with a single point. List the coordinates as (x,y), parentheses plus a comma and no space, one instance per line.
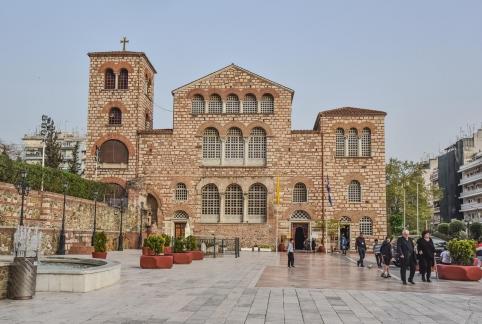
(408,253)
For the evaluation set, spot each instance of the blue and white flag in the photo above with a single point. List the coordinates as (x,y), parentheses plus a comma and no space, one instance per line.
(328,190)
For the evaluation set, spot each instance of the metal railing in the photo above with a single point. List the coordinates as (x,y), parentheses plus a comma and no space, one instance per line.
(218,247)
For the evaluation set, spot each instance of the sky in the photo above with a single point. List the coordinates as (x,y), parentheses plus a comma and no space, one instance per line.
(420,61)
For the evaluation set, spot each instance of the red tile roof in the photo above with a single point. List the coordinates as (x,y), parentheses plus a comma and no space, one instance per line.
(347,112)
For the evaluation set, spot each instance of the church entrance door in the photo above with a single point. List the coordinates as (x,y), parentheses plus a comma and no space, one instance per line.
(179,230)
(344,231)
(299,232)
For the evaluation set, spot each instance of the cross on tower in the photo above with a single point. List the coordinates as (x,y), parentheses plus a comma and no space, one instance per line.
(124,41)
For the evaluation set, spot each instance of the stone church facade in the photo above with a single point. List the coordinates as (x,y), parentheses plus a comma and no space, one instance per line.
(231,165)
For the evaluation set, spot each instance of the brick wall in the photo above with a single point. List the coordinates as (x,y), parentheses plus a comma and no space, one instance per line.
(4,269)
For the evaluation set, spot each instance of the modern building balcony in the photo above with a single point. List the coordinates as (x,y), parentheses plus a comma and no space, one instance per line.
(470,165)
(470,207)
(470,179)
(436,210)
(471,193)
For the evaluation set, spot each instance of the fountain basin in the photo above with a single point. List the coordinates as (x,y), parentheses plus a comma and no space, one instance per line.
(67,274)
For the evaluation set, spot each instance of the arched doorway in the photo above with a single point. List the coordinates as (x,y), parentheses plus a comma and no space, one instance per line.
(344,230)
(180,219)
(300,223)
(152,207)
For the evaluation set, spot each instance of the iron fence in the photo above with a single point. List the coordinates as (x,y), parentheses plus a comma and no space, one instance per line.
(218,247)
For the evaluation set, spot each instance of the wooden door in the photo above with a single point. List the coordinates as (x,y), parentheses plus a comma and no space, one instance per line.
(179,230)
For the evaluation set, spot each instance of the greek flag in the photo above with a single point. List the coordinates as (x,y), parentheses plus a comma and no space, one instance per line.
(328,190)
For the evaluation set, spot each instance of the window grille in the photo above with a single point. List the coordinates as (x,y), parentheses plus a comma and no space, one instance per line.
(215,104)
(340,142)
(352,142)
(354,191)
(232,104)
(210,200)
(211,144)
(366,225)
(181,192)
(366,142)
(300,193)
(234,144)
(257,201)
(234,201)
(123,79)
(267,104)
(300,215)
(115,116)
(257,144)
(250,105)
(109,82)
(197,105)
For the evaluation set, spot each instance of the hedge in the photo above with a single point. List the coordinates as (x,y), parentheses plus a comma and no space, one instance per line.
(10,172)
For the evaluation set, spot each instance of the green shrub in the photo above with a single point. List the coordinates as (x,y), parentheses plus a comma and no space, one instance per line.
(155,242)
(475,231)
(265,246)
(442,236)
(167,239)
(191,243)
(455,227)
(100,242)
(443,228)
(462,251)
(179,245)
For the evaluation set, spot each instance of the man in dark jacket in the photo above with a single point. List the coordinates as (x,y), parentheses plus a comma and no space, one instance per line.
(361,247)
(406,253)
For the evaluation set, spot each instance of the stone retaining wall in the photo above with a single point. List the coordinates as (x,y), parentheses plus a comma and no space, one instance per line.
(4,269)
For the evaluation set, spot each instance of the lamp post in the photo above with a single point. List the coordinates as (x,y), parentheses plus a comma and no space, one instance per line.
(23,189)
(139,243)
(61,250)
(96,194)
(120,246)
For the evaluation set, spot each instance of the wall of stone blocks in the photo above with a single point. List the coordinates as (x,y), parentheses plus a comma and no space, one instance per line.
(4,270)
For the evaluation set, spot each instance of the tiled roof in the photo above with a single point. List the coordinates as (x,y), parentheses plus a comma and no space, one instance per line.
(347,112)
(123,53)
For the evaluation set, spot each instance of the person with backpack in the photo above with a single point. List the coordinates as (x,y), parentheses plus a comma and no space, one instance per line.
(386,253)
(343,244)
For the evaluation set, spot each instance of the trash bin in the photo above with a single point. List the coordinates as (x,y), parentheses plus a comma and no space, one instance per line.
(23,278)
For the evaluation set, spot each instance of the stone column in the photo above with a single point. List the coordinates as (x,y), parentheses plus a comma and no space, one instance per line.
(223,149)
(224,106)
(258,108)
(116,80)
(241,106)
(206,106)
(246,143)
(346,146)
(359,146)
(222,196)
(245,207)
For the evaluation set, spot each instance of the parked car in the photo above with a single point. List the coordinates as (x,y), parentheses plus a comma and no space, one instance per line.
(438,243)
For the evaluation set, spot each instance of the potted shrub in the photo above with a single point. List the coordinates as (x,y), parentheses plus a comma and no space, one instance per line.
(155,245)
(100,246)
(192,247)
(145,248)
(179,252)
(167,243)
(462,268)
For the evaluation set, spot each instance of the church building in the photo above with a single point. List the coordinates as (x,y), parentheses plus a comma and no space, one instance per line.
(231,165)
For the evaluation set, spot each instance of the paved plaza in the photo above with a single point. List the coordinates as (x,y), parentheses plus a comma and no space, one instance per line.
(255,288)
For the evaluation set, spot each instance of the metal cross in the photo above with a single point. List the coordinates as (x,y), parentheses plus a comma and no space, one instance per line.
(124,41)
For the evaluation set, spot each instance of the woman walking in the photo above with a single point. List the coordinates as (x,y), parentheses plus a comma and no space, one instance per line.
(344,244)
(386,252)
(426,251)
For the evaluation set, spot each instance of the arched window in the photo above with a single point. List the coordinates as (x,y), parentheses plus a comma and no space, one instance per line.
(233,209)
(210,203)
(115,116)
(215,104)
(257,144)
(250,105)
(109,80)
(197,105)
(234,144)
(340,142)
(366,142)
(257,203)
(300,193)
(345,220)
(366,225)
(180,215)
(267,104)
(114,194)
(113,151)
(211,144)
(352,142)
(300,215)
(232,104)
(354,191)
(181,192)
(123,79)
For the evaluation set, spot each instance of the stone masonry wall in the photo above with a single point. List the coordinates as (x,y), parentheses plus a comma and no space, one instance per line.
(4,269)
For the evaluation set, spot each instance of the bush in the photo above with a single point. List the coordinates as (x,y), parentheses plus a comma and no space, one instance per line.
(443,228)
(475,231)
(100,242)
(191,243)
(455,227)
(442,236)
(462,251)
(167,239)
(179,245)
(155,242)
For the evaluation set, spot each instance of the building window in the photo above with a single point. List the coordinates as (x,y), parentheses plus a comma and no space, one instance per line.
(180,215)
(257,203)
(181,192)
(211,144)
(366,225)
(267,104)
(366,142)
(345,220)
(352,142)
(113,151)
(340,142)
(300,215)
(233,209)
(354,191)
(234,144)
(215,104)
(257,144)
(232,104)
(123,79)
(109,82)
(197,105)
(300,193)
(250,105)
(210,203)
(114,194)
(115,116)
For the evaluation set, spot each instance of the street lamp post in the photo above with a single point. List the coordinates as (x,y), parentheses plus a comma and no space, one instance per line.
(139,244)
(96,193)
(120,246)
(23,190)
(61,250)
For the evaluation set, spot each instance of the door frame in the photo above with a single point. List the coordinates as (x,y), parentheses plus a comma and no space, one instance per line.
(296,224)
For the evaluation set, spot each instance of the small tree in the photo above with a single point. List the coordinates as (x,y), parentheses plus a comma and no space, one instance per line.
(461,251)
(396,224)
(100,242)
(443,228)
(475,230)
(155,242)
(455,227)
(53,156)
(74,165)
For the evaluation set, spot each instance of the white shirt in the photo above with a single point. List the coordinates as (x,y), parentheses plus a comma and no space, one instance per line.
(290,247)
(445,256)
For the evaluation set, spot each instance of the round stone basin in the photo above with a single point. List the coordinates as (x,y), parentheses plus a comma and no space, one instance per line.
(70,274)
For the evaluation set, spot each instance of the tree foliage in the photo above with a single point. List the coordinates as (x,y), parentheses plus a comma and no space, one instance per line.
(74,164)
(462,251)
(455,227)
(475,231)
(443,228)
(53,156)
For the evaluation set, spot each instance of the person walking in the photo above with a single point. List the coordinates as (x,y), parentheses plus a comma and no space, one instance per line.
(361,247)
(386,252)
(376,251)
(343,244)
(313,245)
(426,251)
(291,256)
(406,252)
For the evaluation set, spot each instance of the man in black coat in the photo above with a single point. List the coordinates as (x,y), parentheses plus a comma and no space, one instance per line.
(361,247)
(406,253)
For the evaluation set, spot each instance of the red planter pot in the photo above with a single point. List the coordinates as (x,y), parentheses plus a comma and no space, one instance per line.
(458,272)
(197,255)
(281,247)
(182,257)
(147,251)
(79,249)
(99,255)
(167,249)
(156,261)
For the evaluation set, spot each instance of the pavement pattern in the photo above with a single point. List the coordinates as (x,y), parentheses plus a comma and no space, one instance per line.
(255,288)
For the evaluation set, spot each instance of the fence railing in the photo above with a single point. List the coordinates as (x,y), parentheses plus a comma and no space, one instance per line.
(218,247)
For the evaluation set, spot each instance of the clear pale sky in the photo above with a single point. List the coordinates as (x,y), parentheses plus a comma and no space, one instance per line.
(420,61)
